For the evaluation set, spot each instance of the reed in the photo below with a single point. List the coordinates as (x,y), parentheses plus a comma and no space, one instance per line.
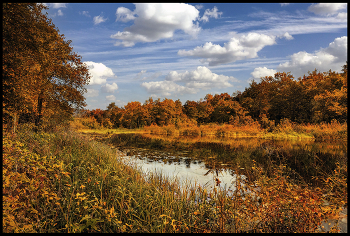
(64,182)
(284,130)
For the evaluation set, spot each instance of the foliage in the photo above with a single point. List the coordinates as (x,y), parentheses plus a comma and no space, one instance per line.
(42,77)
(278,104)
(62,182)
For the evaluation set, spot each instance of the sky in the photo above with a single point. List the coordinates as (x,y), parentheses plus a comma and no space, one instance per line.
(187,50)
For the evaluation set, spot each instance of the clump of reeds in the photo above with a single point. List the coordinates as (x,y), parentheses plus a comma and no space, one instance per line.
(62,182)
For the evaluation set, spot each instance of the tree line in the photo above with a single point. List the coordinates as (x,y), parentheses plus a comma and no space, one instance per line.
(314,98)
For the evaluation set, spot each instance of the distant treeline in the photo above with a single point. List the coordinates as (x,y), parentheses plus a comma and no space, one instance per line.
(314,98)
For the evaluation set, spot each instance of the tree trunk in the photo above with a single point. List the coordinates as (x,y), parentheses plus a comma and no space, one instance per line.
(14,123)
(39,116)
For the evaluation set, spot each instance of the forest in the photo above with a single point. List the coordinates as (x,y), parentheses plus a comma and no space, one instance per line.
(316,98)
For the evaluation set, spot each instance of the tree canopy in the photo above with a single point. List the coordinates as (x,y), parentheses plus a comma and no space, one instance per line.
(43,79)
(314,98)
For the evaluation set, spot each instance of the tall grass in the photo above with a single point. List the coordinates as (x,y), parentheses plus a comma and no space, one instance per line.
(284,130)
(64,182)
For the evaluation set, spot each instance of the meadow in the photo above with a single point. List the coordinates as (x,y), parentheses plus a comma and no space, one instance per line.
(64,181)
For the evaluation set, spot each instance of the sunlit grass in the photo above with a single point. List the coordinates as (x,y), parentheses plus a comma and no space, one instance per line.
(64,182)
(285,130)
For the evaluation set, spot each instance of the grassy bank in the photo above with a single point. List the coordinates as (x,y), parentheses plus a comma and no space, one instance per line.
(284,130)
(64,182)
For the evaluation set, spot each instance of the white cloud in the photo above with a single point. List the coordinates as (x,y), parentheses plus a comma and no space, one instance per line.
(111,98)
(287,36)
(200,6)
(99,72)
(60,13)
(201,78)
(91,93)
(124,14)
(238,48)
(165,88)
(333,57)
(260,72)
(211,13)
(284,4)
(327,9)
(109,88)
(99,19)
(58,5)
(156,21)
(85,13)
(342,16)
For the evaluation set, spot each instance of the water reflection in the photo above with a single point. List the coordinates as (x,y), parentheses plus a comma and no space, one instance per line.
(306,157)
(179,165)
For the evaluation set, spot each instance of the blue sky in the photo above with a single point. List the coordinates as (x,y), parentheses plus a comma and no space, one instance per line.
(185,51)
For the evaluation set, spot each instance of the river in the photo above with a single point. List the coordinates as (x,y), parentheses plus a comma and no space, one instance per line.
(201,161)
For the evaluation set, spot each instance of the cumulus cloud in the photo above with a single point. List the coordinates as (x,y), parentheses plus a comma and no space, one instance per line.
(165,88)
(99,72)
(327,9)
(211,13)
(156,21)
(333,57)
(260,72)
(91,93)
(111,98)
(287,36)
(99,19)
(342,15)
(238,48)
(124,14)
(199,79)
(109,88)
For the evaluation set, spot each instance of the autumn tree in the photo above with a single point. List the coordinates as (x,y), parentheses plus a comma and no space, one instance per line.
(255,99)
(331,100)
(42,76)
(205,108)
(133,116)
(115,115)
(190,109)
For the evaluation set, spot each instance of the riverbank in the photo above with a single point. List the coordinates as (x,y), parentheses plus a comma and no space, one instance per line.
(285,130)
(64,182)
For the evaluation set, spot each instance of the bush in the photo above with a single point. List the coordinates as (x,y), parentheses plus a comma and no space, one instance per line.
(90,122)
(190,131)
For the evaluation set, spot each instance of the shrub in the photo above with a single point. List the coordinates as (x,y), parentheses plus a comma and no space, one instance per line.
(90,122)
(190,131)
